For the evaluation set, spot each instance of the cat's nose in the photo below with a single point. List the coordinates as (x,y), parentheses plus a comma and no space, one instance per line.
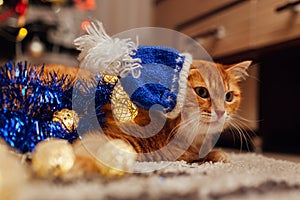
(220,113)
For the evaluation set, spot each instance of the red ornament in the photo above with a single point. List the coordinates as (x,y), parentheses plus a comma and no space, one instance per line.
(21,7)
(85,4)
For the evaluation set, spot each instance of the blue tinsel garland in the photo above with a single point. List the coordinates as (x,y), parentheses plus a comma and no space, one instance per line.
(28,104)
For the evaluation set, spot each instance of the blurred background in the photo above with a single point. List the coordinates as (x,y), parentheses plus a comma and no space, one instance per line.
(265,31)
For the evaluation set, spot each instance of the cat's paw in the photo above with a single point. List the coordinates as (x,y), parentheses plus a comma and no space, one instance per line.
(217,155)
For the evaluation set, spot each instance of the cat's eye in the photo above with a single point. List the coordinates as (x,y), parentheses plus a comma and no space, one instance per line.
(202,92)
(229,96)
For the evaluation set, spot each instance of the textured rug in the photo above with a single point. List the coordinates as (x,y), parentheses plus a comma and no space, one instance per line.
(247,176)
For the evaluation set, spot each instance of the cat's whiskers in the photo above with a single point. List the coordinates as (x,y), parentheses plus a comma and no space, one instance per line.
(184,133)
(191,123)
(237,123)
(243,122)
(201,122)
(237,130)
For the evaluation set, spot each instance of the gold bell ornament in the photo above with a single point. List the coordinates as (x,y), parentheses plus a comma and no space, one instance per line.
(53,158)
(67,118)
(110,158)
(115,158)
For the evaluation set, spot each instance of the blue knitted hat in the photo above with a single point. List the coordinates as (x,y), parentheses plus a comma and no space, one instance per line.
(149,74)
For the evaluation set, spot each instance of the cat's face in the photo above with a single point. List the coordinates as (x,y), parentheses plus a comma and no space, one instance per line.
(213,94)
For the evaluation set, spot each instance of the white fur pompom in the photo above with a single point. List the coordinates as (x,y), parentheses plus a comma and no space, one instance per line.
(102,54)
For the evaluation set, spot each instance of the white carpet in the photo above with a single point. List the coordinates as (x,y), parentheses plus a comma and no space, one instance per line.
(247,176)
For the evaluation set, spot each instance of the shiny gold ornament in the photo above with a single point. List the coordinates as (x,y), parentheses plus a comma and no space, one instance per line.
(95,154)
(123,109)
(67,118)
(110,79)
(115,158)
(53,158)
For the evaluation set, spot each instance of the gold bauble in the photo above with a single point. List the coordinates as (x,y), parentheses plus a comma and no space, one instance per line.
(123,109)
(115,158)
(110,158)
(53,158)
(67,118)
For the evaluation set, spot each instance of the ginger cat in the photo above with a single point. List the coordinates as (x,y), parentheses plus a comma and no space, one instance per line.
(203,116)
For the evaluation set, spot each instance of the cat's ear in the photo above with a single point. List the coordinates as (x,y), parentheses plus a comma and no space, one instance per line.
(239,70)
(194,68)
(197,63)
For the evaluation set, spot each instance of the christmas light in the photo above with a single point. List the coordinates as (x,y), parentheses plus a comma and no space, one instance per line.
(22,34)
(21,9)
(84,24)
(36,47)
(85,4)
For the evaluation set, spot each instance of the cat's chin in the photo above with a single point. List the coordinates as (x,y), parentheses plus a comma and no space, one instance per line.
(212,127)
(211,123)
